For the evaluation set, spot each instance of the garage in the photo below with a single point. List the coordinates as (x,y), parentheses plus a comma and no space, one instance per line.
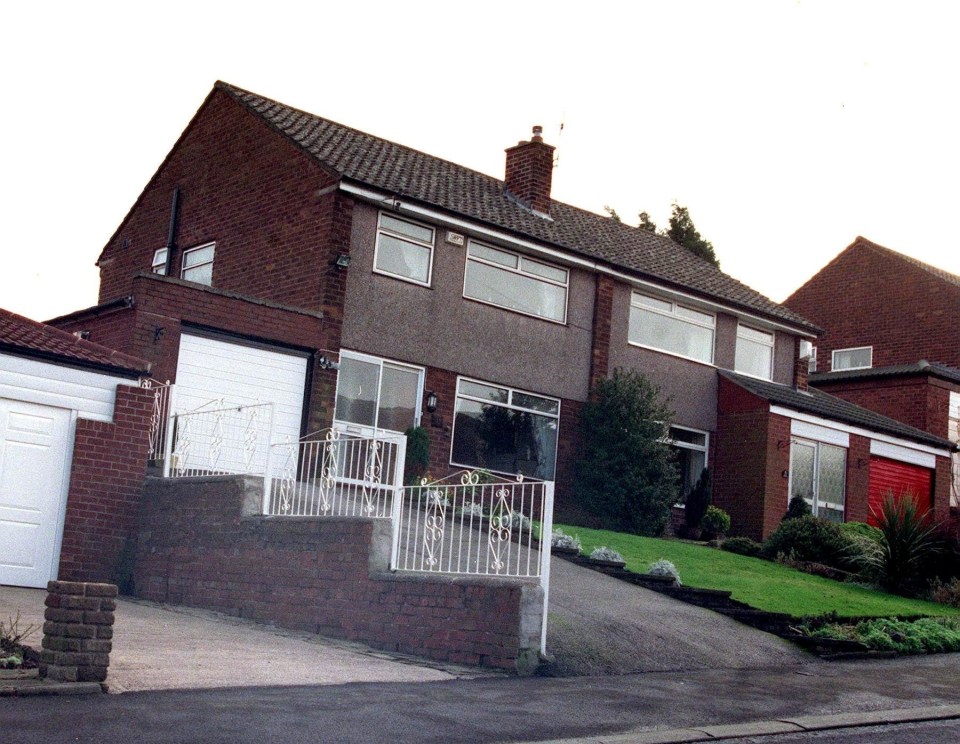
(900,478)
(210,368)
(51,385)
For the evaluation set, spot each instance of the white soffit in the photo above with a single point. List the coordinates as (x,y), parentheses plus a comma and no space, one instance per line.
(903,454)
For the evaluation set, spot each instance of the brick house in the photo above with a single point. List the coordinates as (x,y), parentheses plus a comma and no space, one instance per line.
(366,285)
(892,337)
(73,447)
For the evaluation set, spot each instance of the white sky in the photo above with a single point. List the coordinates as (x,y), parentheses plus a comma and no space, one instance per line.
(787,128)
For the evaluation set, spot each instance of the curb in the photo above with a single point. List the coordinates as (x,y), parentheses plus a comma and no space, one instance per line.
(794,725)
(40,689)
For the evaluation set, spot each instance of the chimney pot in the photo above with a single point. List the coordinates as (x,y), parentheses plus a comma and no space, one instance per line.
(537,133)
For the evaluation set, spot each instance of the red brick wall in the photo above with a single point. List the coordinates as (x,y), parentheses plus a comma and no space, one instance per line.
(198,547)
(602,325)
(106,477)
(866,296)
(856,507)
(529,172)
(245,187)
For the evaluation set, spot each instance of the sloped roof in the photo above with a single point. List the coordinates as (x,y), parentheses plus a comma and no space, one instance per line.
(940,274)
(25,337)
(922,367)
(819,403)
(414,175)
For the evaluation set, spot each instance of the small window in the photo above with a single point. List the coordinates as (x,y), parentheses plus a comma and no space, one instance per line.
(858,358)
(812,361)
(690,447)
(198,264)
(754,353)
(667,326)
(515,282)
(404,250)
(159,265)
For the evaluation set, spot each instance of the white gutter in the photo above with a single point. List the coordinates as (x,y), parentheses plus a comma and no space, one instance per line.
(471,227)
(872,435)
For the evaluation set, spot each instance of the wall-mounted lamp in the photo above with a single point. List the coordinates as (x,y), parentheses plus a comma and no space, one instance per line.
(342,261)
(158,334)
(431,402)
(324,363)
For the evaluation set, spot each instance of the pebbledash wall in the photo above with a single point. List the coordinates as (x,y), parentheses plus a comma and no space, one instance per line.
(106,477)
(202,543)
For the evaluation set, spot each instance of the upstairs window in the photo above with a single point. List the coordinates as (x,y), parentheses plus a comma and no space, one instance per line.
(159,265)
(404,250)
(953,434)
(666,326)
(855,358)
(516,282)
(198,264)
(754,353)
(812,361)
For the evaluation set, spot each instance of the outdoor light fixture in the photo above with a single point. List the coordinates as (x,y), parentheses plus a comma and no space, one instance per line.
(431,402)
(343,261)
(324,363)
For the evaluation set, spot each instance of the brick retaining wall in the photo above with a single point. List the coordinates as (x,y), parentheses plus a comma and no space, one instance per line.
(202,544)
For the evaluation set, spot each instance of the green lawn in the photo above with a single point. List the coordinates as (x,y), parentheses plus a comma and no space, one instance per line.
(761,584)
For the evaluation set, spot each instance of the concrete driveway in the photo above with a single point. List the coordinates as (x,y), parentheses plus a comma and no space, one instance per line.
(158,647)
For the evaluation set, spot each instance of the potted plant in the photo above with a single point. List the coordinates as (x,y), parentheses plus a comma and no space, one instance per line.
(607,557)
(715,523)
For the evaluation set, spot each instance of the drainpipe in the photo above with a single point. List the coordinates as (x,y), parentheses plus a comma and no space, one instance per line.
(172,232)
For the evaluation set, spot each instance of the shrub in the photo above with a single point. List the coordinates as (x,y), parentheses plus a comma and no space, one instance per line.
(603,553)
(663,567)
(813,539)
(418,454)
(560,539)
(947,593)
(907,543)
(697,501)
(627,475)
(742,546)
(798,507)
(716,521)
(926,635)
(860,529)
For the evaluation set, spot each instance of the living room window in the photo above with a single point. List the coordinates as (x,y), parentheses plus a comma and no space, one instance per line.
(754,355)
(198,264)
(860,357)
(378,393)
(818,474)
(668,326)
(404,249)
(505,279)
(505,430)
(690,447)
(159,265)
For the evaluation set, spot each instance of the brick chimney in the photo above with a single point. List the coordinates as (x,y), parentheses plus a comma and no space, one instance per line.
(530,171)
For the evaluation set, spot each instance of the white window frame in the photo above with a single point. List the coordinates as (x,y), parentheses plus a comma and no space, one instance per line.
(704,448)
(521,261)
(771,346)
(511,391)
(431,246)
(812,361)
(833,359)
(636,303)
(816,445)
(350,427)
(953,434)
(183,262)
(159,265)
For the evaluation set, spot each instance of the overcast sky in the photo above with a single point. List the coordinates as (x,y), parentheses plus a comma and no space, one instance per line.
(786,127)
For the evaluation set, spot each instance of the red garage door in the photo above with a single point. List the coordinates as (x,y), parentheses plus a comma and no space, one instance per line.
(891,476)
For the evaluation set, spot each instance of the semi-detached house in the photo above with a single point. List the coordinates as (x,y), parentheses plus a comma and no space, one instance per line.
(363,284)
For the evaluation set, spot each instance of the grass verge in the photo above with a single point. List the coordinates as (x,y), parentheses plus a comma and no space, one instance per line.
(759,583)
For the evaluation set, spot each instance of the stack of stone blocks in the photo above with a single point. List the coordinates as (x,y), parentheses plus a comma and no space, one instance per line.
(78,632)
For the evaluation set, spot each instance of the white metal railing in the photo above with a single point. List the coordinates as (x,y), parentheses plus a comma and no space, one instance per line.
(472,523)
(220,441)
(160,429)
(329,473)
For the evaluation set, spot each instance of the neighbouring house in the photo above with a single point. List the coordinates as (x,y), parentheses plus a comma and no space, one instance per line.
(360,284)
(73,449)
(891,340)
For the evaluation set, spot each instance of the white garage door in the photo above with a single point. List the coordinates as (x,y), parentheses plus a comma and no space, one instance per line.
(33,480)
(208,369)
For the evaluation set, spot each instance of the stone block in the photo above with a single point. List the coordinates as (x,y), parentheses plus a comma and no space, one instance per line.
(62,673)
(98,618)
(66,587)
(59,615)
(102,590)
(81,631)
(91,674)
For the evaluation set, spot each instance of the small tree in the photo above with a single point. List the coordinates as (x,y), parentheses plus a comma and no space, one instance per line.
(683,231)
(646,223)
(627,475)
